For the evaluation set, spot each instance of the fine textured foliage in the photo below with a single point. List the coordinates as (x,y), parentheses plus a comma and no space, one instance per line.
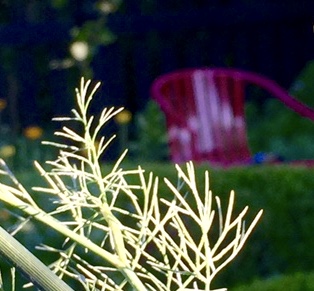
(122,235)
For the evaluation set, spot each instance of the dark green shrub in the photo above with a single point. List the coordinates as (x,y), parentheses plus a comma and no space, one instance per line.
(272,127)
(151,135)
(294,282)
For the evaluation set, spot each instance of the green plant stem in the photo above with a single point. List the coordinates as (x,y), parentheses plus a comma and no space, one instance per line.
(32,268)
(115,227)
(83,241)
(113,223)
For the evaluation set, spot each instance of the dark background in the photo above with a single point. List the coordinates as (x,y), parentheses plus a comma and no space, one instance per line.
(272,37)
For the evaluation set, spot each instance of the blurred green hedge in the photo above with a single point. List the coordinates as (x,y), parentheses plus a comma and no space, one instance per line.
(294,282)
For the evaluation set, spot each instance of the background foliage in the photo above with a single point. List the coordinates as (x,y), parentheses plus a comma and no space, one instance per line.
(274,128)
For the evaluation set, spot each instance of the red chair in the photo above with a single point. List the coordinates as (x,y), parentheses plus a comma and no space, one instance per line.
(204,111)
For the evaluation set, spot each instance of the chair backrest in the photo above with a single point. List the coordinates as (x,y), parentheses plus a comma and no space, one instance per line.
(205,116)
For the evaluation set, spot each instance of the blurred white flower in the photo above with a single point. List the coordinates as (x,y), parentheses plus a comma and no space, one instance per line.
(79,50)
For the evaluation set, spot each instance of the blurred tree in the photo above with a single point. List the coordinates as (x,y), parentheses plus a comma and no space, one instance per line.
(54,41)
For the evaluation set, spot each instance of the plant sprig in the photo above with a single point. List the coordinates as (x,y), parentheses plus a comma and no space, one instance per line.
(144,241)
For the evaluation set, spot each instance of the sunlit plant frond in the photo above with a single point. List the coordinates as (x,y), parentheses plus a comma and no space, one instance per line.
(121,235)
